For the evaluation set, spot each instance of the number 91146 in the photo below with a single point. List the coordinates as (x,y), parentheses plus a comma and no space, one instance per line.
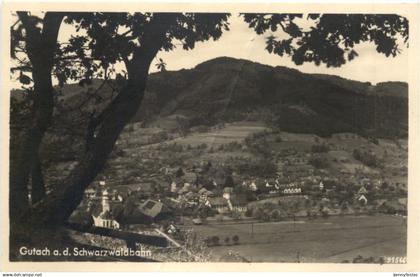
(395,260)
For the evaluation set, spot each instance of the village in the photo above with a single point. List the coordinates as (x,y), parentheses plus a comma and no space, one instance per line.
(310,197)
(215,187)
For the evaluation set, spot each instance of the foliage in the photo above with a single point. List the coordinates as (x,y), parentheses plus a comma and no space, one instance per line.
(193,249)
(161,65)
(331,38)
(367,158)
(320,148)
(256,167)
(318,162)
(235,239)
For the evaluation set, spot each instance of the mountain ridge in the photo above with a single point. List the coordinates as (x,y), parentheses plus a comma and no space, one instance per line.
(234,89)
(226,89)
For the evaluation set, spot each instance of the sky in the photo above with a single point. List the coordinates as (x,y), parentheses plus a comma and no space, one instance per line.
(242,42)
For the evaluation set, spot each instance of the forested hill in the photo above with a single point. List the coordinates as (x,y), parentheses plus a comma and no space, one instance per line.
(226,89)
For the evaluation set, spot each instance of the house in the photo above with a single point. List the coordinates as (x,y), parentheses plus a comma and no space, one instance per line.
(190,195)
(219,203)
(186,188)
(106,220)
(127,190)
(403,201)
(172,229)
(174,187)
(253,186)
(145,212)
(292,191)
(362,191)
(197,221)
(321,185)
(362,199)
(189,177)
(203,194)
(90,193)
(153,209)
(202,191)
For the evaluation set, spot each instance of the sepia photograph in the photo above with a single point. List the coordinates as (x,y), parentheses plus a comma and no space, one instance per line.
(235,136)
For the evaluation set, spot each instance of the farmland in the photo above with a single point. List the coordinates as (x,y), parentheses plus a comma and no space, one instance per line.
(321,240)
(230,132)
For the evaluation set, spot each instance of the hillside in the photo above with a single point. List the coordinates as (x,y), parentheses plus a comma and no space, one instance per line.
(227,89)
(189,116)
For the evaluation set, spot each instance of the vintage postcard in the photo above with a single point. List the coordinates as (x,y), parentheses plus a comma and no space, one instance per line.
(183,137)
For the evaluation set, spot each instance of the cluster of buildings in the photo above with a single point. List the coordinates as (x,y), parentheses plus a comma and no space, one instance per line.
(124,205)
(111,208)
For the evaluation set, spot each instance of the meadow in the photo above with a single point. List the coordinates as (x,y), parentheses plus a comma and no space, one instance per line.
(334,239)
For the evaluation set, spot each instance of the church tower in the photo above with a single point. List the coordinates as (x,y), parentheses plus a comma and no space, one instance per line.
(105,201)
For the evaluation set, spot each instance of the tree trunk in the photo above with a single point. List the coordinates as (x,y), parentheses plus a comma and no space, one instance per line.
(41,48)
(37,178)
(55,209)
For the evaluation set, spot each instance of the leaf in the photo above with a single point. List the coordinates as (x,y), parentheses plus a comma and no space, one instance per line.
(24,79)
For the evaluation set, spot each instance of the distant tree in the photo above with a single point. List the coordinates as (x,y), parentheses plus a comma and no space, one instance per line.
(248,213)
(235,239)
(227,240)
(229,181)
(367,158)
(161,65)
(179,173)
(216,240)
(374,140)
(275,215)
(320,148)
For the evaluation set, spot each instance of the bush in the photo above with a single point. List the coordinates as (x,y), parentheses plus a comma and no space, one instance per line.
(227,240)
(202,146)
(367,158)
(374,140)
(275,215)
(215,240)
(248,213)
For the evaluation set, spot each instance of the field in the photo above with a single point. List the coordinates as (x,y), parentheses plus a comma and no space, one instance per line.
(231,132)
(322,240)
